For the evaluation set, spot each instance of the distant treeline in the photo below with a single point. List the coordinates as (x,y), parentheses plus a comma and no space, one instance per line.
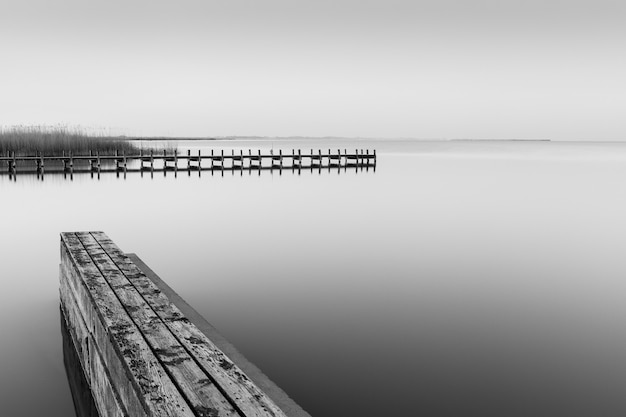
(31,140)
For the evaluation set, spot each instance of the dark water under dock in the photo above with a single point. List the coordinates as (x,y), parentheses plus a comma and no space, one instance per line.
(458,279)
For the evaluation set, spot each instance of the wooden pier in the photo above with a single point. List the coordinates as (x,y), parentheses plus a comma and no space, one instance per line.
(187,161)
(140,355)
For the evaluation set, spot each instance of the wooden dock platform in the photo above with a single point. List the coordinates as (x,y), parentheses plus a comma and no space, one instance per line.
(155,161)
(140,355)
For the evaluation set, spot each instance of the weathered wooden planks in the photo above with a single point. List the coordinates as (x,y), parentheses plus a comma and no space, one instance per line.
(91,360)
(137,348)
(140,380)
(247,397)
(199,391)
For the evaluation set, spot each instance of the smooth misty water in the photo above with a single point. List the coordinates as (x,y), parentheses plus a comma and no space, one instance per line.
(460,278)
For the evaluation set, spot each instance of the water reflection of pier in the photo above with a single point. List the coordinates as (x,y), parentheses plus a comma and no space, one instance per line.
(296,161)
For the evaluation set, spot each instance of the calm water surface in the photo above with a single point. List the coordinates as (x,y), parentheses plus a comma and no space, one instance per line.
(460,278)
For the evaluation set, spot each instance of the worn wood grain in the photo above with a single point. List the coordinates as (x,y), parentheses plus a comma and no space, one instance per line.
(201,393)
(248,398)
(138,348)
(121,377)
(143,384)
(104,394)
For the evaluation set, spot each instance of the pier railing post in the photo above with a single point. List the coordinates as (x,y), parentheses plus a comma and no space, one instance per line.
(338,160)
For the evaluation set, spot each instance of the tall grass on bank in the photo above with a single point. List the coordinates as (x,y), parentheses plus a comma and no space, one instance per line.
(53,141)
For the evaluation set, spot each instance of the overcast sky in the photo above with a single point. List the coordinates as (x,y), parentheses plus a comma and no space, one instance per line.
(384,68)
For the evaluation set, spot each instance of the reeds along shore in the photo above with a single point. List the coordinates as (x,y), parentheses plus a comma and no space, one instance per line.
(56,141)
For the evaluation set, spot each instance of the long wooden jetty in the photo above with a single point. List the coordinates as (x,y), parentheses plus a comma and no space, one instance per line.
(140,355)
(188,161)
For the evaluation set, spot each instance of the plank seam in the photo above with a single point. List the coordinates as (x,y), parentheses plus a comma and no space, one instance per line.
(131,377)
(193,357)
(208,364)
(167,371)
(102,320)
